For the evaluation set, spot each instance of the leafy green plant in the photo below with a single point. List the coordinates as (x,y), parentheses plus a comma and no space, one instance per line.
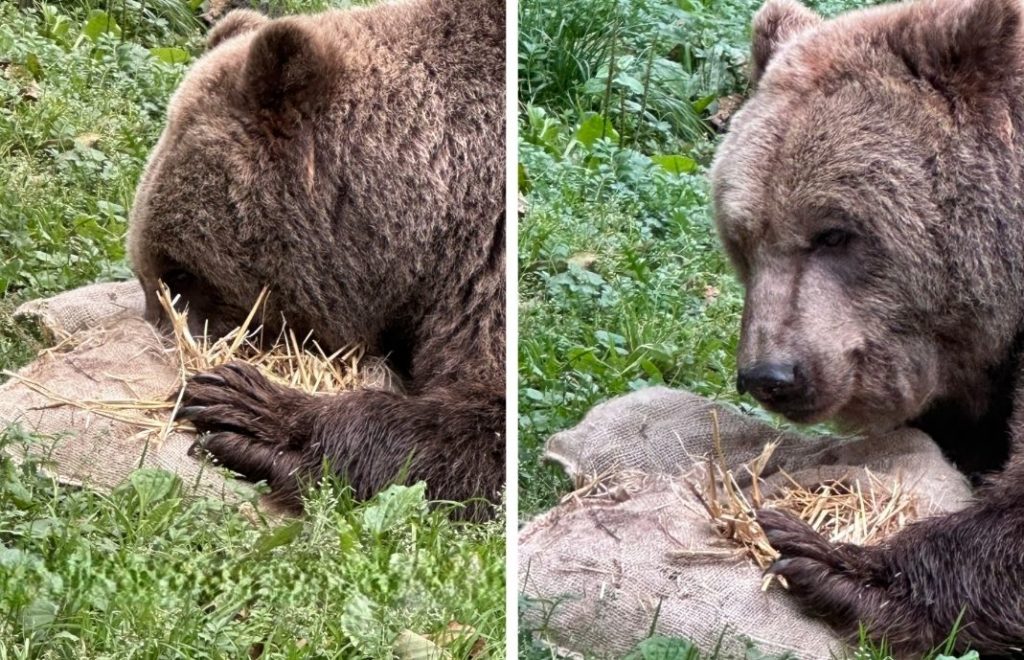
(83,573)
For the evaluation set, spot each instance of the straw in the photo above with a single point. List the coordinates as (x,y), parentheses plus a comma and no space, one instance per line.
(862,511)
(288,361)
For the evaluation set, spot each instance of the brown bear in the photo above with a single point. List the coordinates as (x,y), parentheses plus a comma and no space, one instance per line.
(354,163)
(870,195)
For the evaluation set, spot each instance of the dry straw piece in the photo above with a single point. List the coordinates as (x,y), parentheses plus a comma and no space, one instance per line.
(860,512)
(288,360)
(301,364)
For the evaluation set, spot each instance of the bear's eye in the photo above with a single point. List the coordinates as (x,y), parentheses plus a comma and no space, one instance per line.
(831,238)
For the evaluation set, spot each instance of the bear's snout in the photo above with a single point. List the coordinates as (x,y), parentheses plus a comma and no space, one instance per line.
(779,385)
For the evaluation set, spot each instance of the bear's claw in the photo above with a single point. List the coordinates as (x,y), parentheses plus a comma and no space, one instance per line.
(237,398)
(839,583)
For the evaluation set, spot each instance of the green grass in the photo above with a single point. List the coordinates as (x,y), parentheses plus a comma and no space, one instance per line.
(150,571)
(622,284)
(78,116)
(622,281)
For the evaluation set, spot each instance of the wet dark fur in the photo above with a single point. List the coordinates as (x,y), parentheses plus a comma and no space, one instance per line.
(354,163)
(903,127)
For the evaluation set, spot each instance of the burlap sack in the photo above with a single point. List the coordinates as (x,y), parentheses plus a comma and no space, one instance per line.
(109,353)
(599,575)
(83,309)
(106,352)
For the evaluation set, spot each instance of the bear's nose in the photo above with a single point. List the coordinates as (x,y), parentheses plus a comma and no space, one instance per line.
(771,382)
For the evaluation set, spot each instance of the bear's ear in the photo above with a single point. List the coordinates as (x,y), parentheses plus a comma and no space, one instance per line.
(962,45)
(233,24)
(287,68)
(775,23)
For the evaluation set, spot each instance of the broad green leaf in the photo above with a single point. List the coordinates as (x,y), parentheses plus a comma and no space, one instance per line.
(280,536)
(56,25)
(395,506)
(40,528)
(348,536)
(629,82)
(676,163)
(98,23)
(701,104)
(542,130)
(170,55)
(594,127)
(12,557)
(535,395)
(360,621)
(38,614)
(154,485)
(159,517)
(12,487)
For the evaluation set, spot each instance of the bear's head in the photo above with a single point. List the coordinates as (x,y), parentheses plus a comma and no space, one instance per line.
(236,159)
(867,197)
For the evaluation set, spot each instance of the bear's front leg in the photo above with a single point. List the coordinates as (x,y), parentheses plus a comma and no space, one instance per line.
(452,438)
(237,397)
(963,571)
(248,424)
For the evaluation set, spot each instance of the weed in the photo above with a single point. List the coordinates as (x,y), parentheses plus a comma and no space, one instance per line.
(151,571)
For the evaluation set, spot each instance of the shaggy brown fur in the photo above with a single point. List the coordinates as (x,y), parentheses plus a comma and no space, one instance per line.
(212,12)
(354,162)
(869,195)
